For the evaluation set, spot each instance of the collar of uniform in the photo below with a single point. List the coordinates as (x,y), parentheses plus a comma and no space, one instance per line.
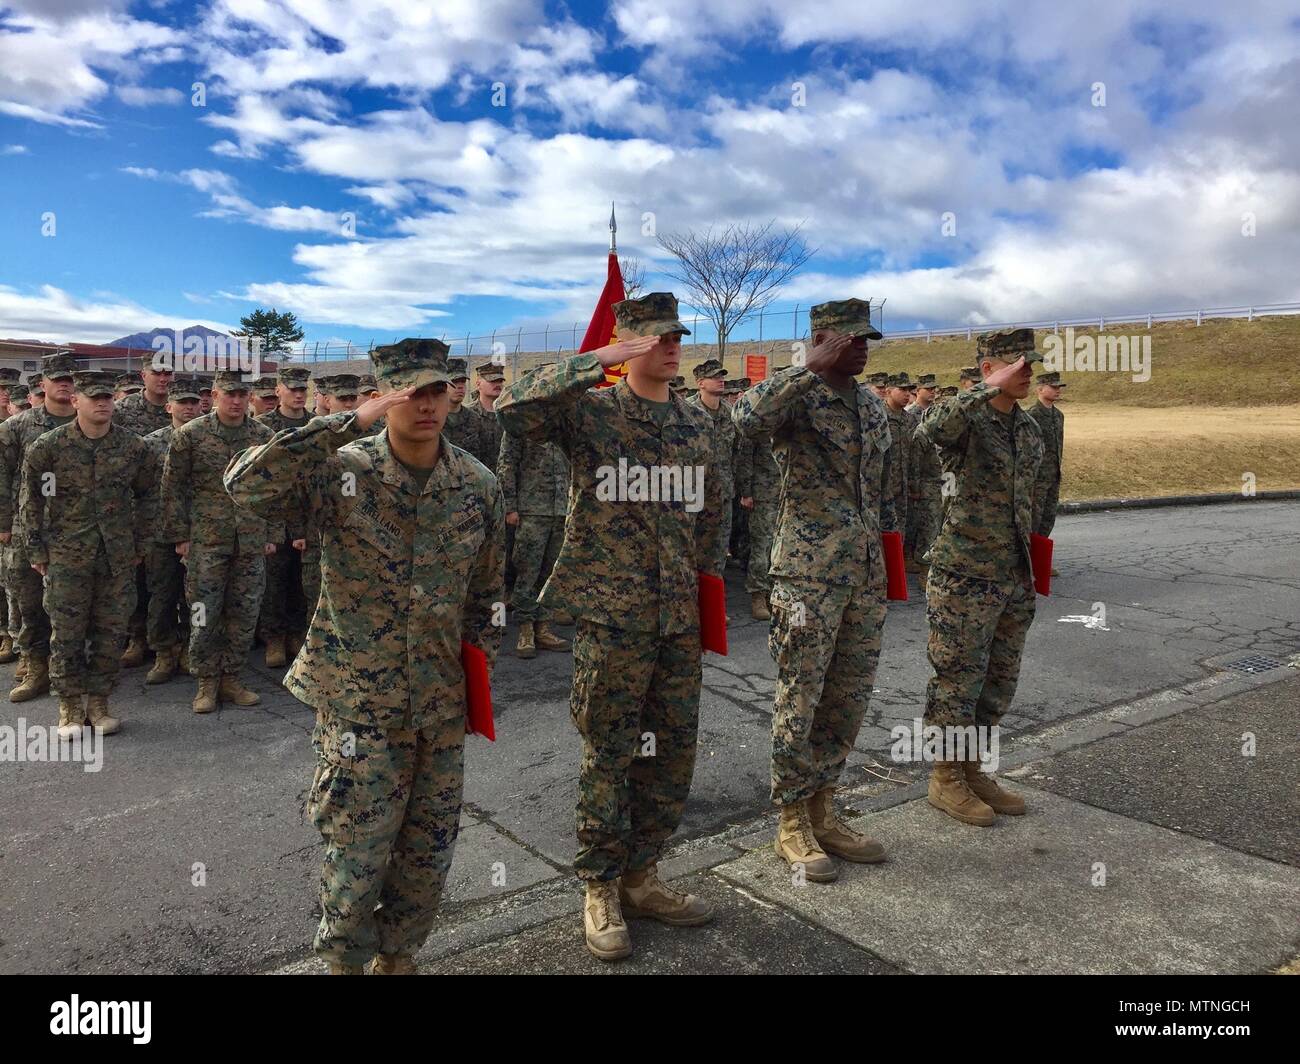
(448,470)
(634,407)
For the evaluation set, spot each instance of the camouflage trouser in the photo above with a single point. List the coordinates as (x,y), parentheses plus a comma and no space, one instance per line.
(925,512)
(282,602)
(825,641)
(311,577)
(14,618)
(762,526)
(387,804)
(977,633)
(1045,508)
(139,624)
(29,588)
(227,584)
(739,538)
(90,609)
(636,704)
(168,617)
(724,538)
(537,545)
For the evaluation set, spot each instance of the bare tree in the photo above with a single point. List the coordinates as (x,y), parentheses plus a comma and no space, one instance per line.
(633,271)
(731,274)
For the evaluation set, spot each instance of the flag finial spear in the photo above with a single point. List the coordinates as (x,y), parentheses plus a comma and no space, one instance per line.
(613,229)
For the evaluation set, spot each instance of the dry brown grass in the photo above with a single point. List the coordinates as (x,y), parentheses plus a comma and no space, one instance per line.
(1114,451)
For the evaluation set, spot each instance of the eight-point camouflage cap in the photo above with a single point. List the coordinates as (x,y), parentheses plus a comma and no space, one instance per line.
(411,363)
(127,382)
(1053,378)
(490,371)
(18,393)
(293,376)
(367,383)
(651,315)
(342,385)
(852,317)
(898,380)
(184,388)
(926,380)
(93,383)
(970,373)
(34,381)
(9,377)
(947,391)
(456,367)
(678,384)
(1008,345)
(58,367)
(229,380)
(264,386)
(710,367)
(878,379)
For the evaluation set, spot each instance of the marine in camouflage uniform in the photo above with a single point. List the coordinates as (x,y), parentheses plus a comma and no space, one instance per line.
(980,592)
(831,441)
(142,411)
(710,374)
(26,586)
(628,571)
(901,427)
(1051,425)
(9,382)
(225,568)
(410,569)
(167,626)
(284,602)
(88,495)
(925,484)
(454,429)
(759,480)
(481,429)
(534,476)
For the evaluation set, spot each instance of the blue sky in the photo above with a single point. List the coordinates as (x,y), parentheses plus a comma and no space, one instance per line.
(471,217)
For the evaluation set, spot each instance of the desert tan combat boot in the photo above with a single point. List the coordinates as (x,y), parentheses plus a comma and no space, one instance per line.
(643,894)
(100,720)
(21,671)
(71,716)
(231,690)
(133,655)
(602,919)
(950,792)
(164,665)
(275,658)
(758,606)
(985,787)
(797,844)
(837,837)
(393,964)
(526,647)
(206,699)
(339,968)
(7,652)
(548,640)
(36,681)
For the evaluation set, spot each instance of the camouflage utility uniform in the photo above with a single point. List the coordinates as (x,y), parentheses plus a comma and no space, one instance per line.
(534,476)
(85,506)
(628,572)
(408,572)
(225,570)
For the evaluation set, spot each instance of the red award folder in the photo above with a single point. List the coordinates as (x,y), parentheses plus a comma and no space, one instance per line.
(895,574)
(1040,557)
(478,692)
(713,614)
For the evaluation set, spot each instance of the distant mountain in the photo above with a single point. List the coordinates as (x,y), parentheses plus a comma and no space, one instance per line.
(145,340)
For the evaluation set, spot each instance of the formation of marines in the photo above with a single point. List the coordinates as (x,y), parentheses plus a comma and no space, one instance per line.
(367,543)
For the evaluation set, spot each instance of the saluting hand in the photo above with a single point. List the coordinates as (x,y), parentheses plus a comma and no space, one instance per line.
(625,350)
(378,405)
(826,355)
(1005,375)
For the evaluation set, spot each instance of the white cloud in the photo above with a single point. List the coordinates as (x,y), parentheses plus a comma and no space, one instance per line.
(142,96)
(227,202)
(14,149)
(53,314)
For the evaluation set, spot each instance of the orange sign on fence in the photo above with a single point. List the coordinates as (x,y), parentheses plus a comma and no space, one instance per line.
(755,368)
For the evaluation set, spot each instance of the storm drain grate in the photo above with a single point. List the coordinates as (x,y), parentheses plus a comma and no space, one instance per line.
(1254,663)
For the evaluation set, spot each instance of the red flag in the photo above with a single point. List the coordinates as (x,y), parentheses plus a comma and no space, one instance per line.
(600,333)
